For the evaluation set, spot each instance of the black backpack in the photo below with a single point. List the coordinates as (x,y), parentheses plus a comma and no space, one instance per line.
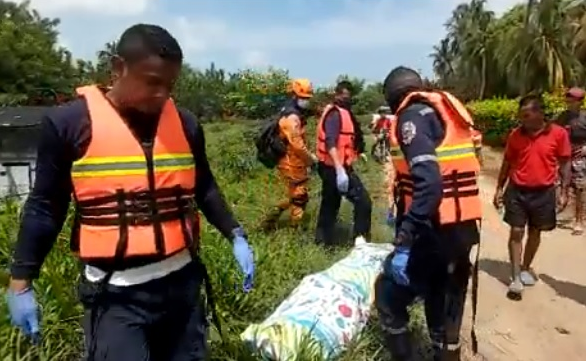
(269,145)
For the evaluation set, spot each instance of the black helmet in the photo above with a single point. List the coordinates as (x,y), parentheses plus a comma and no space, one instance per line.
(398,83)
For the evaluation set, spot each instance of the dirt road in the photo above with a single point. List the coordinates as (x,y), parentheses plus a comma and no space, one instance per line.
(550,322)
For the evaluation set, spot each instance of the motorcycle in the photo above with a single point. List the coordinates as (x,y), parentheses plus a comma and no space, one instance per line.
(381,150)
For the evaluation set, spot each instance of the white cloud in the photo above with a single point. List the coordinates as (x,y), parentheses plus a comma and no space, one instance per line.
(384,23)
(255,59)
(200,35)
(501,6)
(379,24)
(104,7)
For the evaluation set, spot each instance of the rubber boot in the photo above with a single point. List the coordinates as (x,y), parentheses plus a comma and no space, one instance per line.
(400,347)
(297,216)
(270,222)
(447,355)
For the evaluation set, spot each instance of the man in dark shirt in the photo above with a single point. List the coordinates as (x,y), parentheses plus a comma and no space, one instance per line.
(430,260)
(156,313)
(333,175)
(533,154)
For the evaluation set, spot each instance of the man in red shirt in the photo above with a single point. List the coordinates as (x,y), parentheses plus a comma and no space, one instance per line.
(533,153)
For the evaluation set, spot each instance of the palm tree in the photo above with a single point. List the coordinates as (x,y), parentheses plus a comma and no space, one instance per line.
(106,54)
(103,66)
(544,45)
(443,58)
(469,30)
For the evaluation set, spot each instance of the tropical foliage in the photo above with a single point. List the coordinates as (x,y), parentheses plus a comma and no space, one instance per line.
(496,117)
(34,69)
(535,46)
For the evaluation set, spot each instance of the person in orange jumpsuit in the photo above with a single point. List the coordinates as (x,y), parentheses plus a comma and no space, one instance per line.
(293,167)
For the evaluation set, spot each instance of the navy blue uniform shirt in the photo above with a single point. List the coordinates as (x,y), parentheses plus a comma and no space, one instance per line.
(419,132)
(65,136)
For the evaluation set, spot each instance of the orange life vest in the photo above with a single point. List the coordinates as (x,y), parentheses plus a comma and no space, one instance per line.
(456,156)
(345,146)
(129,205)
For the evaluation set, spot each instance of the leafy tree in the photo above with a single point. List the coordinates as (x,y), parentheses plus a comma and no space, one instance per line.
(540,45)
(32,64)
(102,72)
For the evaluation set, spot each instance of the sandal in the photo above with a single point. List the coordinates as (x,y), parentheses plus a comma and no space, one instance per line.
(515,291)
(577,230)
(528,278)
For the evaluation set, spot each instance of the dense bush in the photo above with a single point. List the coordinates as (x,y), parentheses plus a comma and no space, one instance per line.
(496,117)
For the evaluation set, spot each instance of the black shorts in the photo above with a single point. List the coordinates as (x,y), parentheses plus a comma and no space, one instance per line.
(533,207)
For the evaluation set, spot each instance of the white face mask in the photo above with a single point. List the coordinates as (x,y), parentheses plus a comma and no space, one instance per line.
(303,103)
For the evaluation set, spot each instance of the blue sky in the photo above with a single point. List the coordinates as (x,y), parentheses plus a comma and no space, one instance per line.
(318,39)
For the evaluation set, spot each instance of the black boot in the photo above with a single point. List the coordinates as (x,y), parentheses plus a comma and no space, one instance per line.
(446,355)
(270,222)
(400,347)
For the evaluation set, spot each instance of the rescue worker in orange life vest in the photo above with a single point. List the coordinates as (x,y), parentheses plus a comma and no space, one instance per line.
(438,206)
(136,202)
(340,143)
(293,167)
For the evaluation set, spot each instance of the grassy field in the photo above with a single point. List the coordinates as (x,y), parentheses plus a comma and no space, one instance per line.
(283,258)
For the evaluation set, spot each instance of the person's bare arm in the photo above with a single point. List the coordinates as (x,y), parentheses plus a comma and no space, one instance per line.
(565,174)
(505,169)
(503,174)
(564,154)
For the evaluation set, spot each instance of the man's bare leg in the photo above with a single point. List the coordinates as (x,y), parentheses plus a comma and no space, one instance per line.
(531,247)
(579,212)
(515,255)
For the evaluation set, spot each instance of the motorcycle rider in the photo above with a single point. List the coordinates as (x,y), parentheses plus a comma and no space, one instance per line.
(380,126)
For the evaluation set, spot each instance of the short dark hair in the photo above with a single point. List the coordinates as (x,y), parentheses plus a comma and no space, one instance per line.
(535,100)
(143,40)
(343,85)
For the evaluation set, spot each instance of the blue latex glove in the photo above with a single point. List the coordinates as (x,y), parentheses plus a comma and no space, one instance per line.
(24,312)
(399,265)
(342,180)
(244,257)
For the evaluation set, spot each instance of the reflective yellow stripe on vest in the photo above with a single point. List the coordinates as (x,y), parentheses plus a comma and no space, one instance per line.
(442,153)
(132,165)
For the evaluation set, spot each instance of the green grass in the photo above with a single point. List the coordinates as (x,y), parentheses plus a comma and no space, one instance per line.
(283,259)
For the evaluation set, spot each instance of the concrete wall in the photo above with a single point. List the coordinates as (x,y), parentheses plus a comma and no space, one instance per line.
(15,179)
(18,152)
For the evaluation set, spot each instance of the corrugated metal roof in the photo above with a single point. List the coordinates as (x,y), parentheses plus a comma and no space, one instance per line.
(21,116)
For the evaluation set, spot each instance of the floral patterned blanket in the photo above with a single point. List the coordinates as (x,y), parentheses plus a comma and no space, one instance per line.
(325,312)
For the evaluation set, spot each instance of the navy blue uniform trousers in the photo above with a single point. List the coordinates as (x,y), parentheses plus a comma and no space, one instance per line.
(439,268)
(161,320)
